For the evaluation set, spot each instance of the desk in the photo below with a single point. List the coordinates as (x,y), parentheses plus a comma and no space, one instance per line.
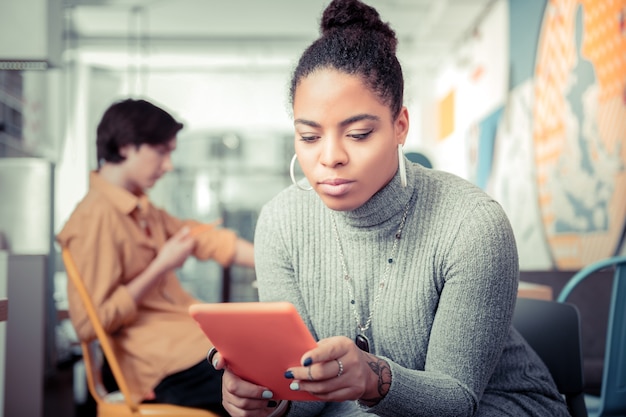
(532,290)
(4,273)
(26,335)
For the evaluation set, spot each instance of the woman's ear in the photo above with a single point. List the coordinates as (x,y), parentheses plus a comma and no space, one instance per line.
(401,126)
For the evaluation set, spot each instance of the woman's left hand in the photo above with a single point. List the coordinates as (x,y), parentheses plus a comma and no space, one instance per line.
(242,398)
(337,370)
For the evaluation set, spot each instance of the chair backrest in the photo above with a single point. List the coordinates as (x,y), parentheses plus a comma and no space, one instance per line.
(613,391)
(110,404)
(552,329)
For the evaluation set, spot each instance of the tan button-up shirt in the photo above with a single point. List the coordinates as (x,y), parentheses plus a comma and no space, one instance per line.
(106,236)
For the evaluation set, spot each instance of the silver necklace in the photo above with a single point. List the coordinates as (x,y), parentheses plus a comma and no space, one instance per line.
(361,340)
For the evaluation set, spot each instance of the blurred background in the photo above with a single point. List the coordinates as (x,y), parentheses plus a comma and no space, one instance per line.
(525,98)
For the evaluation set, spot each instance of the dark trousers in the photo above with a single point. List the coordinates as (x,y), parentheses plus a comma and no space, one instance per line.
(199,386)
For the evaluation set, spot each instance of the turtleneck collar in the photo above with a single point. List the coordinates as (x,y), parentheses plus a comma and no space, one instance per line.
(388,202)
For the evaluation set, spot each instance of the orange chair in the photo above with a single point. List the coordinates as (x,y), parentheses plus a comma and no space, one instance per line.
(118,403)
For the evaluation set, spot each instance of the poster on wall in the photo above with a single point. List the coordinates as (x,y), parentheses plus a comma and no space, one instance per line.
(481,138)
(445,113)
(579,129)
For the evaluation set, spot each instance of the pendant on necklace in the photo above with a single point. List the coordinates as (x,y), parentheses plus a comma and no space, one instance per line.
(362,343)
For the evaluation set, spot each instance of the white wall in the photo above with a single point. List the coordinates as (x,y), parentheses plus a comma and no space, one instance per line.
(477,73)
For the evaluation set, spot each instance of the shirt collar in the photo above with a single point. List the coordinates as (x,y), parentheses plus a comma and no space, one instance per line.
(122,199)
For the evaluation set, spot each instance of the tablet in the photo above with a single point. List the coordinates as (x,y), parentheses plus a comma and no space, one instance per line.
(258,340)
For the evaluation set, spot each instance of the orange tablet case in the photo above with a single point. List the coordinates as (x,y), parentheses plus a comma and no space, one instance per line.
(258,340)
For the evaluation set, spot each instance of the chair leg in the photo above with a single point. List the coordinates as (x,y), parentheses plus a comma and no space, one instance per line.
(577,406)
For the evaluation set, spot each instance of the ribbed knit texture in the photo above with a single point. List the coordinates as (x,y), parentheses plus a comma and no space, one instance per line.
(443,319)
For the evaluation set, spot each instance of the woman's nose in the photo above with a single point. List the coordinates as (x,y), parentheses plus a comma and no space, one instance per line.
(333,153)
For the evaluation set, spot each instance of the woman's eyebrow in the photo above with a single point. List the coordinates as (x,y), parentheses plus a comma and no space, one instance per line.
(358,118)
(306,122)
(343,123)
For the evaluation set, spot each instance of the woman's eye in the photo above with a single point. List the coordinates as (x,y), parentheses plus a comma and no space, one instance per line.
(364,135)
(308,138)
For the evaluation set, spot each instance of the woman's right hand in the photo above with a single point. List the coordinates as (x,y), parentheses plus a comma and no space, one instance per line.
(242,398)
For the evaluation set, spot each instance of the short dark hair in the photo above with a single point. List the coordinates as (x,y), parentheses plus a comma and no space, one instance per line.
(133,122)
(354,40)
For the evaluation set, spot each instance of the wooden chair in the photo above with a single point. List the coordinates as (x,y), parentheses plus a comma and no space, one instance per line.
(552,329)
(118,403)
(612,400)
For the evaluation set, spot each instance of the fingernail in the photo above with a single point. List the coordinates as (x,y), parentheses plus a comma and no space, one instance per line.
(289,375)
(307,362)
(294,386)
(272,403)
(215,363)
(267,394)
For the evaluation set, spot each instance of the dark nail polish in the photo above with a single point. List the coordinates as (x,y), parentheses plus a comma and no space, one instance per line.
(289,375)
(307,361)
(272,403)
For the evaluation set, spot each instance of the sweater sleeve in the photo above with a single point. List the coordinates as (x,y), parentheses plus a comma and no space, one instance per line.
(479,275)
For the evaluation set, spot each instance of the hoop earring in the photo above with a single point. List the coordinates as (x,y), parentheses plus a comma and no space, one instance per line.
(293,176)
(401,166)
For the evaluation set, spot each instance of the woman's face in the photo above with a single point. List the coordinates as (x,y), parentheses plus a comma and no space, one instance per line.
(345,138)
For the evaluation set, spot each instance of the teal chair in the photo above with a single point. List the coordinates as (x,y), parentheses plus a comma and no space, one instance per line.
(612,400)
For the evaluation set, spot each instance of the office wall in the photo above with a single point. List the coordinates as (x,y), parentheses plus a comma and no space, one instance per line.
(551,146)
(564,208)
(25,220)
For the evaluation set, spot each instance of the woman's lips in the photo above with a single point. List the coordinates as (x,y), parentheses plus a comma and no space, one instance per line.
(335,187)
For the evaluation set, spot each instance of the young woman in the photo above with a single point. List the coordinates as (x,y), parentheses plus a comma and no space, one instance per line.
(407,276)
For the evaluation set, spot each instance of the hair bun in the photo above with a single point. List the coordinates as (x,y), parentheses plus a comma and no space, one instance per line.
(355,15)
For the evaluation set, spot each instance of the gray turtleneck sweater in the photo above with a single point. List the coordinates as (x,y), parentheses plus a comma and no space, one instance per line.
(443,321)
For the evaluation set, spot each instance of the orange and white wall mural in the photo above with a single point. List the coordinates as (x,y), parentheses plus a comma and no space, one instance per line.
(579,128)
